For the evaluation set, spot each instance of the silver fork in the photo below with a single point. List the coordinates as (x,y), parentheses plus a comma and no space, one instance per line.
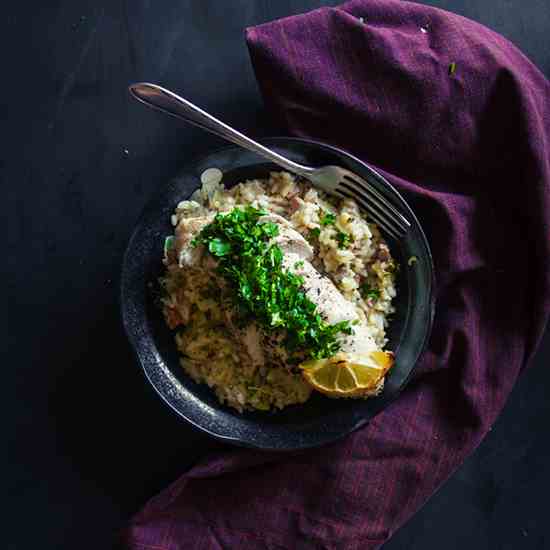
(334,180)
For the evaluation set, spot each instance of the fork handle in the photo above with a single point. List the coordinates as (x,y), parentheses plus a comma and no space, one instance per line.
(168,102)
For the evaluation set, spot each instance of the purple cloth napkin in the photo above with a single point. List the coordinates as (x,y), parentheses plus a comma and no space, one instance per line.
(459,121)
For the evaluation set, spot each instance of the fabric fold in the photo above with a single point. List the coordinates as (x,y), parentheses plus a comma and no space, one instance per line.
(458,119)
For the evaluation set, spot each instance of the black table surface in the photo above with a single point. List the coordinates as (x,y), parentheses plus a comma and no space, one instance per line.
(88,441)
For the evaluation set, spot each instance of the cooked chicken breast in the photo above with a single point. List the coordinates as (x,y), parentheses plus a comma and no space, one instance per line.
(297,256)
(186,231)
(331,305)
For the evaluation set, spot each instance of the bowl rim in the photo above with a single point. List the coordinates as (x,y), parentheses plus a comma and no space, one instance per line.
(241,442)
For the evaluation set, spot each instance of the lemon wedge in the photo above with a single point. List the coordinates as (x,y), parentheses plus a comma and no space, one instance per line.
(347,374)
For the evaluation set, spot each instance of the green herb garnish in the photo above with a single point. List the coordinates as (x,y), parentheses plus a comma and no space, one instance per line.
(218,247)
(368,292)
(327,219)
(299,265)
(264,291)
(452,68)
(315,232)
(343,239)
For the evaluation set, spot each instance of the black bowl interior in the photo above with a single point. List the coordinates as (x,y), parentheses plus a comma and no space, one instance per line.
(320,420)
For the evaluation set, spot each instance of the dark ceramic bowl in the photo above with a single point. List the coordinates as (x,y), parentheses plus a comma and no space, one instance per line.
(320,420)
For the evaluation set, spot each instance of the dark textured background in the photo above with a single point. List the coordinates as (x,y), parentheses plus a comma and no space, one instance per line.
(87,440)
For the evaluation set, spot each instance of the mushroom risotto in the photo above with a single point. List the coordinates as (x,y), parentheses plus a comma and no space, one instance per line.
(275,290)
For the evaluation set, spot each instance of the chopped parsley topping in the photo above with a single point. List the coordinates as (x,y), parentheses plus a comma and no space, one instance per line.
(264,291)
(315,232)
(369,292)
(327,219)
(217,247)
(343,239)
(299,265)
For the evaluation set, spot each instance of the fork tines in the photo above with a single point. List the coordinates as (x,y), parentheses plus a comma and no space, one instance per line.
(380,209)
